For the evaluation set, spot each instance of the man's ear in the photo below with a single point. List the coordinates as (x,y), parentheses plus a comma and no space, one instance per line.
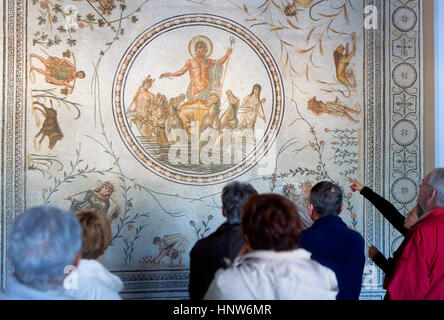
(245,246)
(342,209)
(223,212)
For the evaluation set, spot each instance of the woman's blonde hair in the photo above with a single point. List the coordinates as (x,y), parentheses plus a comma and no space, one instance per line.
(96,233)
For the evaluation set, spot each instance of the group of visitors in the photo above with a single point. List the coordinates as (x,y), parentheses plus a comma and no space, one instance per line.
(262,251)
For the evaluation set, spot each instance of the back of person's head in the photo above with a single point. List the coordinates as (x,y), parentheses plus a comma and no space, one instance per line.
(234,196)
(326,199)
(43,241)
(96,233)
(271,222)
(436,181)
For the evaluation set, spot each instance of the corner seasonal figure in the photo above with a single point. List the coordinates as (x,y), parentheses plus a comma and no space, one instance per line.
(58,71)
(205,74)
(229,118)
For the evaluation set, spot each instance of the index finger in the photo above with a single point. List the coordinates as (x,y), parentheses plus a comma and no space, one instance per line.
(351,180)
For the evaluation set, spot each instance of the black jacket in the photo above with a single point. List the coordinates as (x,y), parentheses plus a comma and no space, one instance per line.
(207,256)
(339,248)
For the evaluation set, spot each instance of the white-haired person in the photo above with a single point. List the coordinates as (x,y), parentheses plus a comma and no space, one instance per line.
(275,268)
(44,243)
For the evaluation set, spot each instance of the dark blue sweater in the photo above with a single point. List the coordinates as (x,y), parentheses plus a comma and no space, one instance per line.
(339,248)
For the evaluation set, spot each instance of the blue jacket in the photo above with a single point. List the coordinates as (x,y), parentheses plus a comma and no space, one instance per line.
(339,248)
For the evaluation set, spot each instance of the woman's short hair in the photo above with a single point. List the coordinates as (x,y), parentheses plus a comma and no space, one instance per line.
(96,233)
(42,243)
(234,196)
(271,222)
(326,198)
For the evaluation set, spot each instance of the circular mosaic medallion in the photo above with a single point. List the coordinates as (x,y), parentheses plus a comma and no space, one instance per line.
(404,19)
(404,190)
(404,132)
(198,99)
(404,75)
(396,243)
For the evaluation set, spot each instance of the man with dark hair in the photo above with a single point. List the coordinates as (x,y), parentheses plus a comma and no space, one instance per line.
(332,243)
(205,73)
(91,279)
(209,254)
(419,264)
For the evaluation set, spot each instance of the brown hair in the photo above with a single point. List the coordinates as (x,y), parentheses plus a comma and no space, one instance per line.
(96,233)
(271,222)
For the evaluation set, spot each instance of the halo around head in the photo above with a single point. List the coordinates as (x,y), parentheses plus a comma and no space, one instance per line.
(192,44)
